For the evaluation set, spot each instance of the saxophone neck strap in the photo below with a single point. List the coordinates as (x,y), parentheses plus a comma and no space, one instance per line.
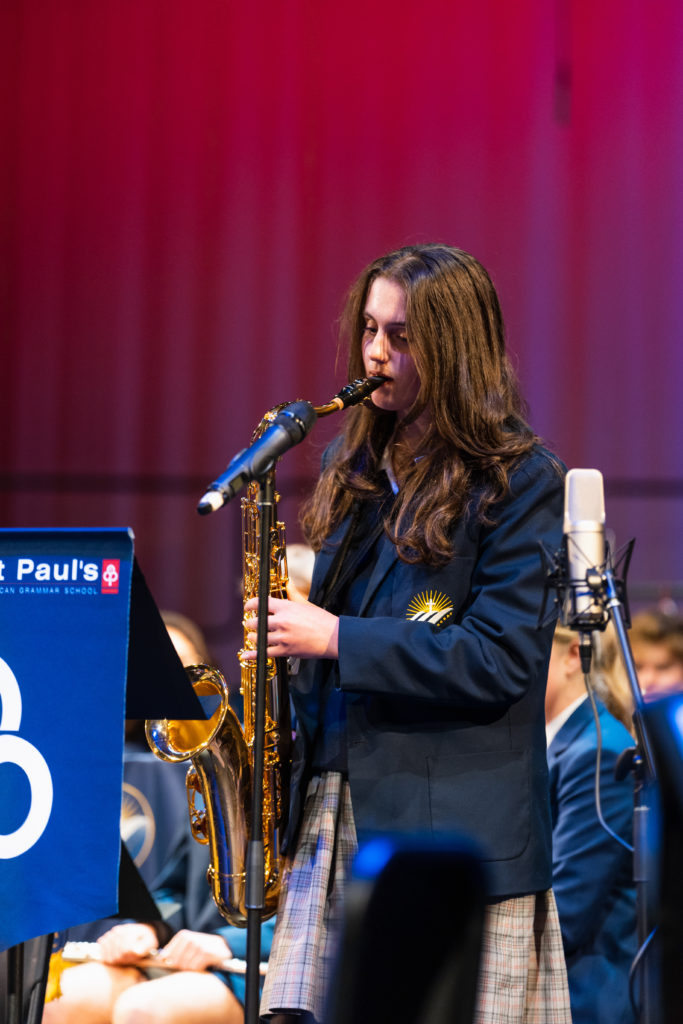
(343,567)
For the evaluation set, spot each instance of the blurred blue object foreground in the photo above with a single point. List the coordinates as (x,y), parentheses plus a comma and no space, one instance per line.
(410,948)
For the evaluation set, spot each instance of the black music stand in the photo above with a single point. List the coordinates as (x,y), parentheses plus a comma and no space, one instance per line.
(157,685)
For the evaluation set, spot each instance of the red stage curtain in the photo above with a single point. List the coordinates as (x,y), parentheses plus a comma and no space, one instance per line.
(189,189)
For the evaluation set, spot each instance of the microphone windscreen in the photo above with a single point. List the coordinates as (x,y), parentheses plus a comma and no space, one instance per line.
(297,419)
(584,498)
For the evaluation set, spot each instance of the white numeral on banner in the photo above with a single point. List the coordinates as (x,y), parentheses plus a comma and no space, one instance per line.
(17,751)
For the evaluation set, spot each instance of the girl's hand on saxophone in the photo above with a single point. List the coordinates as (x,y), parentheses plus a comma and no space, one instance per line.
(296,629)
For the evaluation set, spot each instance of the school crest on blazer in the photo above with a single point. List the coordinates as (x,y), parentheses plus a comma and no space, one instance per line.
(430,606)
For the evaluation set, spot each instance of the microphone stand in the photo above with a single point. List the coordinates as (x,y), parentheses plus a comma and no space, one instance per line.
(609,602)
(644,775)
(289,426)
(255,887)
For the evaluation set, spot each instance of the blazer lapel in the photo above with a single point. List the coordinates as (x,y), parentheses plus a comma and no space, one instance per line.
(573,727)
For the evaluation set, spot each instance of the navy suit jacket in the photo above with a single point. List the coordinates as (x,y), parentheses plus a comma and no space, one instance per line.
(444,673)
(592,872)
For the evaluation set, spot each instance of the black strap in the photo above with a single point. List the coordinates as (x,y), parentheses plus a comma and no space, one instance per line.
(332,576)
(343,568)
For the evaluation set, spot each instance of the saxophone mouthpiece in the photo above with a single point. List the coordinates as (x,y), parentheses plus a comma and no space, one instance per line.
(355,392)
(351,394)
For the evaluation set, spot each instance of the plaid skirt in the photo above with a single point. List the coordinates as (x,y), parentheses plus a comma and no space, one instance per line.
(309,912)
(522,975)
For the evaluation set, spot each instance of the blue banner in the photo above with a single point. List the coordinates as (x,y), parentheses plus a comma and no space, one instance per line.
(64,618)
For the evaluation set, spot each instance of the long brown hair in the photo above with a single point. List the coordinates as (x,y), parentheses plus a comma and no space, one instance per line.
(477,431)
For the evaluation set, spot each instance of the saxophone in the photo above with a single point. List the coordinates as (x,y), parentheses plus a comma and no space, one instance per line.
(220,749)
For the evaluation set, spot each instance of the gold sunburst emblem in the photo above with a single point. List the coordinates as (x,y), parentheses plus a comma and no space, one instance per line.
(430,606)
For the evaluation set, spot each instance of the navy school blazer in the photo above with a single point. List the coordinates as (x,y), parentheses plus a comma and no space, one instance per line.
(592,874)
(444,673)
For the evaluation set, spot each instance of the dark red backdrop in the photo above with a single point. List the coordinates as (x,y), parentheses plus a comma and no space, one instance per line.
(188,190)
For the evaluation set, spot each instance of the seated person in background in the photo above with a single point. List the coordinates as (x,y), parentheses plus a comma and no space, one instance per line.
(592,871)
(195,942)
(656,639)
(188,985)
(187,638)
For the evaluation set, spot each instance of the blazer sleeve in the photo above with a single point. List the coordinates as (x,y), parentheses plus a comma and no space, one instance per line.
(588,864)
(493,649)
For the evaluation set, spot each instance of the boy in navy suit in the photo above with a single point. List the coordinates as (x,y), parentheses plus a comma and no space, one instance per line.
(592,872)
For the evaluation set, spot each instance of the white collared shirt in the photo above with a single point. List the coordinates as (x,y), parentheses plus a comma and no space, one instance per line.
(385,464)
(555,724)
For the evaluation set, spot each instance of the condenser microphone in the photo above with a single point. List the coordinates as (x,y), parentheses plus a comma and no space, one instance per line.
(290,426)
(585,548)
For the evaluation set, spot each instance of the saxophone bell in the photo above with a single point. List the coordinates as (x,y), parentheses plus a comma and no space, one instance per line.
(220,773)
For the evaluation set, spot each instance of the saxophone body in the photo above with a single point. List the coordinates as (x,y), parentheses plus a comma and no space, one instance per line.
(220,749)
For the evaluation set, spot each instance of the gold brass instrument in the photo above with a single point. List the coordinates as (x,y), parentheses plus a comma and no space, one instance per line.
(220,749)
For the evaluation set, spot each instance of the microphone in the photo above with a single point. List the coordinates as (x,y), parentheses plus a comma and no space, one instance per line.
(289,427)
(584,548)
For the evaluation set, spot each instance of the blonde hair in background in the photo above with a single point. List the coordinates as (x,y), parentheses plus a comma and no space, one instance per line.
(190,630)
(608,676)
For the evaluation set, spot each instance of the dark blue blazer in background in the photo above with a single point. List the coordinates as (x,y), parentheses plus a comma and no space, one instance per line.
(592,872)
(445,715)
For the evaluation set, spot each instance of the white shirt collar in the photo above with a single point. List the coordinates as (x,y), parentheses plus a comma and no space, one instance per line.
(385,464)
(555,724)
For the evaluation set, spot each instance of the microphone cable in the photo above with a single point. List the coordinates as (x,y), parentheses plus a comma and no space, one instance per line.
(639,957)
(598,764)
